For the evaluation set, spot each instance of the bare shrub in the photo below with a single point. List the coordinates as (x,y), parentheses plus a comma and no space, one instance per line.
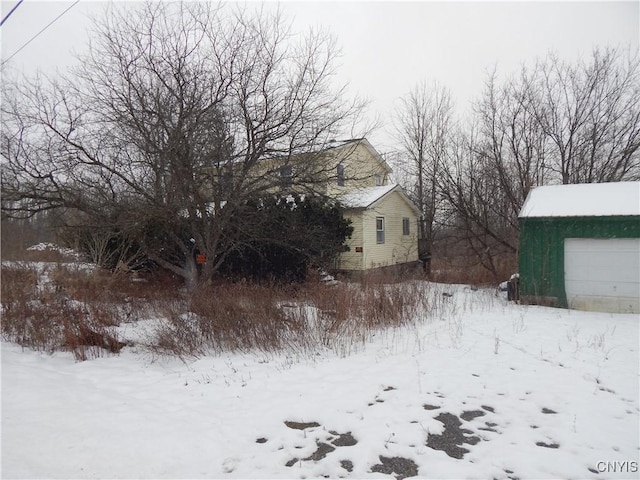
(357,310)
(242,316)
(466,270)
(235,317)
(22,321)
(99,285)
(18,283)
(86,332)
(74,309)
(45,319)
(246,316)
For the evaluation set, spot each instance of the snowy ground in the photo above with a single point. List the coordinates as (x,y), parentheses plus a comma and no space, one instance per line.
(486,390)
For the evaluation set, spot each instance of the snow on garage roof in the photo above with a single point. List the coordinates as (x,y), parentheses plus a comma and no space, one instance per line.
(583,200)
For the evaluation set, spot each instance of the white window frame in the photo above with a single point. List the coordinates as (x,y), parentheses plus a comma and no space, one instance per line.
(380,230)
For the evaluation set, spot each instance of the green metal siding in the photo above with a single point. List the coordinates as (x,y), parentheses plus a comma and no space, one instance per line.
(541,253)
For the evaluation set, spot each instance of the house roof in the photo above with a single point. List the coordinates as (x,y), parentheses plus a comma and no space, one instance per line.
(366,197)
(336,144)
(583,200)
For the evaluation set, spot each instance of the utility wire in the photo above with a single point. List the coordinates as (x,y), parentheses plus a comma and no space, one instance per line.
(9,14)
(38,34)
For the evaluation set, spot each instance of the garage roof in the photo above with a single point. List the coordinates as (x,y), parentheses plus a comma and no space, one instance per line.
(583,200)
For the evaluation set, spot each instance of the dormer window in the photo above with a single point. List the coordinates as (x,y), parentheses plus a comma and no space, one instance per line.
(340,175)
(378,178)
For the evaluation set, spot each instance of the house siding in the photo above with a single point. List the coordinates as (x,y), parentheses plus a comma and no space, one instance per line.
(352,259)
(541,254)
(397,248)
(360,169)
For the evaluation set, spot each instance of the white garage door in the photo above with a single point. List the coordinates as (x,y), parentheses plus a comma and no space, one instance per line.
(603,275)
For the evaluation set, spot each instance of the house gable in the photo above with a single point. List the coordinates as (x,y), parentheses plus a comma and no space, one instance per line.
(361,166)
(385,229)
(337,167)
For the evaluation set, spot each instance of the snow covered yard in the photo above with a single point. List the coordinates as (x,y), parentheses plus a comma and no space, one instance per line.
(485,389)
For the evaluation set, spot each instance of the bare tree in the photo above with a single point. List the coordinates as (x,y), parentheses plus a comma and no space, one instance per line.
(163,130)
(423,124)
(476,217)
(511,142)
(590,112)
(557,122)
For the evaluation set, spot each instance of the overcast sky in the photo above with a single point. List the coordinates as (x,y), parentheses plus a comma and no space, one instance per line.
(387,46)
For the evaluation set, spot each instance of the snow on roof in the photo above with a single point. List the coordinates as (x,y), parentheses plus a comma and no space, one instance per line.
(364,197)
(583,200)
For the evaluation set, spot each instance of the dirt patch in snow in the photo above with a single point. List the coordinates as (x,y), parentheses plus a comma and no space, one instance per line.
(460,432)
(453,437)
(399,466)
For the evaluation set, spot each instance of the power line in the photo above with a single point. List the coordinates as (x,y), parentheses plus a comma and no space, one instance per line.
(40,32)
(9,14)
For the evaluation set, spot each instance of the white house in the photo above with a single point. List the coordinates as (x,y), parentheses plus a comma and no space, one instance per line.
(384,220)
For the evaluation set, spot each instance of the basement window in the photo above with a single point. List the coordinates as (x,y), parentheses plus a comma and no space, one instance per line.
(379,229)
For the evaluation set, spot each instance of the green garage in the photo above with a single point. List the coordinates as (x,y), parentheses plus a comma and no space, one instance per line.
(580,247)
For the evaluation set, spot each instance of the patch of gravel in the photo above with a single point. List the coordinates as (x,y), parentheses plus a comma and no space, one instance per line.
(347,465)
(301,425)
(548,445)
(471,414)
(322,451)
(452,440)
(343,440)
(453,437)
(400,466)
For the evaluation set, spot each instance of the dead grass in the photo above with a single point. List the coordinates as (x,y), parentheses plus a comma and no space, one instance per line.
(465,270)
(44,312)
(72,308)
(230,317)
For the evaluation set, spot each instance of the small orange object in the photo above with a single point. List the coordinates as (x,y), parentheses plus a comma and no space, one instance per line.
(200,258)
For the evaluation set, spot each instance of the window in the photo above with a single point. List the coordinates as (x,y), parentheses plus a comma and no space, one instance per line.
(378,179)
(421,227)
(406,229)
(227,180)
(379,229)
(340,174)
(286,176)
